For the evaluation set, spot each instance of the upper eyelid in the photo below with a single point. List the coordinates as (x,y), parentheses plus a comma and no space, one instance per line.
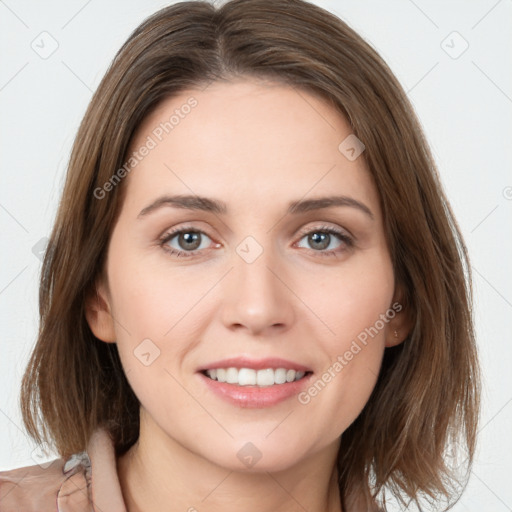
(324,225)
(170,234)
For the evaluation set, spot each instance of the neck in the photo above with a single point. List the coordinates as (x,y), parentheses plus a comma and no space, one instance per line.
(160,475)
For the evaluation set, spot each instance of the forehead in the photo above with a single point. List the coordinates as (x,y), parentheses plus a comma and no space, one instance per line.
(256,140)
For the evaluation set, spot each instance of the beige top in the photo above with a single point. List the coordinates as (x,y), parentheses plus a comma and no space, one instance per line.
(71,485)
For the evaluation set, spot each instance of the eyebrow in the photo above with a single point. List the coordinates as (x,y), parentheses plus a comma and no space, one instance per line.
(193,202)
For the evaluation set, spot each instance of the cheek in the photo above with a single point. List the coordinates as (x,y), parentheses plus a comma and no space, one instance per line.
(158,318)
(154,332)
(355,311)
(153,303)
(352,299)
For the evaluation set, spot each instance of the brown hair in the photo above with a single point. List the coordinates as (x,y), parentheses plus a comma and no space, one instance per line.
(427,397)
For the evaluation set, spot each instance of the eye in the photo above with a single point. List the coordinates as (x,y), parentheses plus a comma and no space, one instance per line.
(188,241)
(321,238)
(187,238)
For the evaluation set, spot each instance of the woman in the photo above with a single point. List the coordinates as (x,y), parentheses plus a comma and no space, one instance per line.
(313,347)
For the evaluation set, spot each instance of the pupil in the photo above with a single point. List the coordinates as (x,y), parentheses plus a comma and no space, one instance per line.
(322,238)
(190,238)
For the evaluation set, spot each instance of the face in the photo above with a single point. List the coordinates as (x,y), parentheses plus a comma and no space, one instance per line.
(267,281)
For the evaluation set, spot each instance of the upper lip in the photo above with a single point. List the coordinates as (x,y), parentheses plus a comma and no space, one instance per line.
(256,364)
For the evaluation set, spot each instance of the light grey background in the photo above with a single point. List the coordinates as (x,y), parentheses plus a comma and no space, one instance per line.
(463,99)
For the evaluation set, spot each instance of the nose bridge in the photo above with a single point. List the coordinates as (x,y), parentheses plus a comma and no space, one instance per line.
(257,296)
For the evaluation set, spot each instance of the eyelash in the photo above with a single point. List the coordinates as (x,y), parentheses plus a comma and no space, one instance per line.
(348,241)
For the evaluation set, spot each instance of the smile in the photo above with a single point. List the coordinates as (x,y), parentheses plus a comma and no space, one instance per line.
(250,377)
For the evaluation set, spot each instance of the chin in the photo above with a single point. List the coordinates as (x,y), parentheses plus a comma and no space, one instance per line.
(258,456)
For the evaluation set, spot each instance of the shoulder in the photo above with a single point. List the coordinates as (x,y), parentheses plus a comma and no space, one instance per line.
(44,488)
(31,488)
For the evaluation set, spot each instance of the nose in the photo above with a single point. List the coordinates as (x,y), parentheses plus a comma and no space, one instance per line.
(256,297)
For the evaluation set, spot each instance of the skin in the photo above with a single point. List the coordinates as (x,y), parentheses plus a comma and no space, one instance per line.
(257,146)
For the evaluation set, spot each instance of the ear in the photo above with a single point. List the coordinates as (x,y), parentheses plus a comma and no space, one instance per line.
(98,313)
(401,324)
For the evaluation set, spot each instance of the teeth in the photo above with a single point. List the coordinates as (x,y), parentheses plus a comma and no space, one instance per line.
(280,376)
(250,377)
(265,377)
(231,375)
(246,377)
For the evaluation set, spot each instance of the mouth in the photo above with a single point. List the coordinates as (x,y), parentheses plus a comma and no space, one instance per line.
(255,383)
(265,377)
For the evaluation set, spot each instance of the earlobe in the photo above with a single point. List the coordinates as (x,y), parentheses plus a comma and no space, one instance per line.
(400,326)
(395,335)
(98,315)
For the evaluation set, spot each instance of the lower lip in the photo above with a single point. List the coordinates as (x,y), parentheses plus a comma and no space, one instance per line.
(254,397)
